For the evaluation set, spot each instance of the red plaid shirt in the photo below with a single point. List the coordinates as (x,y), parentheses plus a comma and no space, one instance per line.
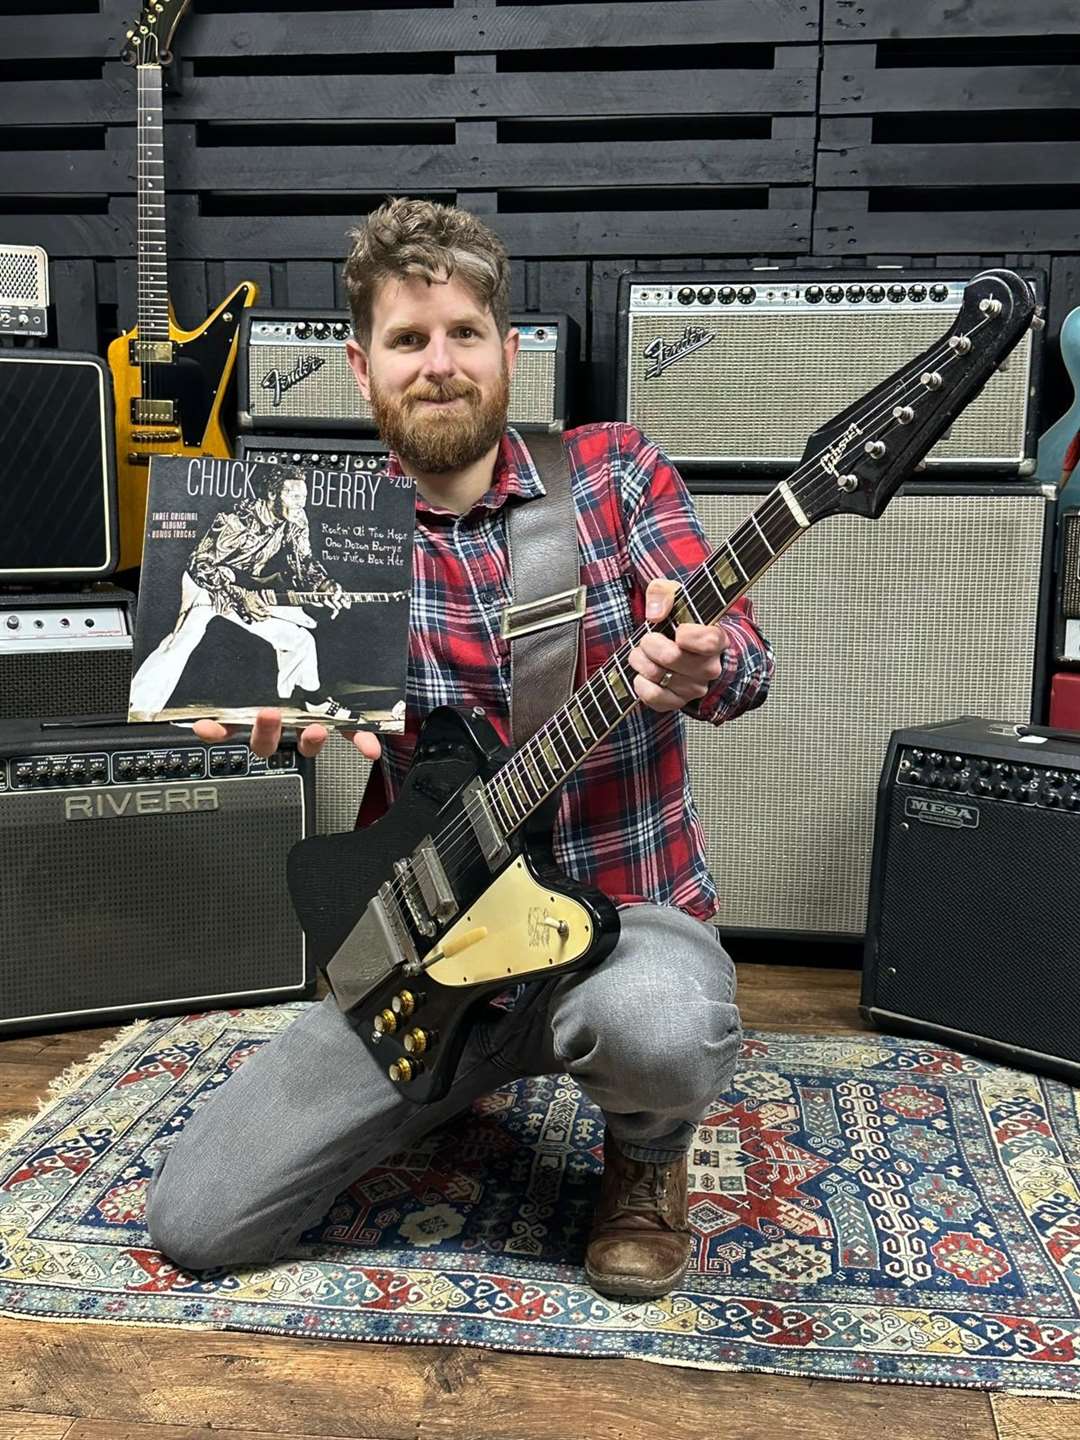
(627,823)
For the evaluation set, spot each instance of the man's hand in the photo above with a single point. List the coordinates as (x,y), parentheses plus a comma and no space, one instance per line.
(266,736)
(337,600)
(672,673)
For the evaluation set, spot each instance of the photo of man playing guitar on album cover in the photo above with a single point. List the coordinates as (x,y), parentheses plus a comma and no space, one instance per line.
(254,567)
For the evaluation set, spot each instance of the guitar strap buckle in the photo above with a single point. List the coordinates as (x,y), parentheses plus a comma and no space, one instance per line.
(531,615)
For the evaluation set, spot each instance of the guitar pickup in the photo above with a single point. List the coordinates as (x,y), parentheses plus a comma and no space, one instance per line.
(153,412)
(489,833)
(150,352)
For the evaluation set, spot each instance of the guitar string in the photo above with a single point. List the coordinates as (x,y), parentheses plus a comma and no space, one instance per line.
(820,485)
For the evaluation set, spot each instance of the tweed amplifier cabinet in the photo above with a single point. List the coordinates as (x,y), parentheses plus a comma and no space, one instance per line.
(57,468)
(144,873)
(936,608)
(736,370)
(65,653)
(293,373)
(973,905)
(1067,626)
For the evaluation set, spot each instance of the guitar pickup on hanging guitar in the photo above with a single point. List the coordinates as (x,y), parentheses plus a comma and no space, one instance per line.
(150,352)
(153,412)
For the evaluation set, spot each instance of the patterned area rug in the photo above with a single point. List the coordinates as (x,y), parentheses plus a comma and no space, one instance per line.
(864,1208)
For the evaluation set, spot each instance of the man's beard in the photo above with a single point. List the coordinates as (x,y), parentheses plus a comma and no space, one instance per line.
(435,442)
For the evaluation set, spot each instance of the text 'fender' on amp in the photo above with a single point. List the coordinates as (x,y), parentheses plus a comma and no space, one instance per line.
(144,873)
(65,653)
(293,372)
(58,507)
(974,926)
(936,608)
(734,370)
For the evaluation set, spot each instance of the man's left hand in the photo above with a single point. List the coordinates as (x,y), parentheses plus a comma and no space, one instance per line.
(671,673)
(336,598)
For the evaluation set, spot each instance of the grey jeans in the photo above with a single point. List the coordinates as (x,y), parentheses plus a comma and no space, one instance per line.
(651,1035)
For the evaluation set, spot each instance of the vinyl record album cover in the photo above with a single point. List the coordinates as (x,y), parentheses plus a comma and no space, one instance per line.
(267,584)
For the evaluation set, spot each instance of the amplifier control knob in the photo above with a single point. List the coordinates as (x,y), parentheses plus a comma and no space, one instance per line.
(897,293)
(686,296)
(815,294)
(726,294)
(402,1071)
(916,292)
(302,330)
(1073,801)
(915,777)
(956,761)
(1025,772)
(747,295)
(404,1003)
(1003,788)
(983,787)
(834,294)
(918,756)
(12,622)
(341,331)
(875,294)
(385,1023)
(855,293)
(706,295)
(939,293)
(417,1041)
(1055,778)
(321,330)
(1051,798)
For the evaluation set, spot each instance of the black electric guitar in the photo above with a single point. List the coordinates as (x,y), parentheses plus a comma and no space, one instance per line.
(454,894)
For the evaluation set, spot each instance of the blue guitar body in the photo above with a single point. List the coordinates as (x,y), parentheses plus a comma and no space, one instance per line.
(1055,442)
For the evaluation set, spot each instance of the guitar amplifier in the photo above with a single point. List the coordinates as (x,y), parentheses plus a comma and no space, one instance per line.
(973,904)
(24,290)
(144,874)
(293,372)
(65,653)
(736,369)
(58,507)
(1067,626)
(936,608)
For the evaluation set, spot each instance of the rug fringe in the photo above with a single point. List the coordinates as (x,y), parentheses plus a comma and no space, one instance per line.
(62,1084)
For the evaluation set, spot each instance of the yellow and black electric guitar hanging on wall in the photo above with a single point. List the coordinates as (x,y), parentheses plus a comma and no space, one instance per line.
(169,383)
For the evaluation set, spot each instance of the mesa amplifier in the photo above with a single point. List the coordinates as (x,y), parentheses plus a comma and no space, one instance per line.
(57,468)
(973,904)
(934,609)
(737,369)
(65,653)
(293,373)
(1067,626)
(144,873)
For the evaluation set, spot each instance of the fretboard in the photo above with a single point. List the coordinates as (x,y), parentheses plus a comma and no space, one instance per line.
(153,298)
(545,760)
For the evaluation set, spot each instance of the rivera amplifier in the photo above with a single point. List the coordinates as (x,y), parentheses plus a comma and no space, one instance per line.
(972,935)
(934,609)
(65,653)
(57,468)
(144,873)
(735,370)
(294,373)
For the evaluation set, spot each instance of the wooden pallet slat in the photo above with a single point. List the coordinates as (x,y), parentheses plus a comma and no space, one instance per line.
(944,19)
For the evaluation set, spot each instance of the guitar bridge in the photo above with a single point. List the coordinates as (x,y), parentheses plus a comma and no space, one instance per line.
(433,881)
(377,946)
(413,897)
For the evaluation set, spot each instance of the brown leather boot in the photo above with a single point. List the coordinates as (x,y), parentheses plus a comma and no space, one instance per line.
(639,1244)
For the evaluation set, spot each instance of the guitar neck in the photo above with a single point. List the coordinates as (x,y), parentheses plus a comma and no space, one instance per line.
(320,597)
(537,769)
(153,286)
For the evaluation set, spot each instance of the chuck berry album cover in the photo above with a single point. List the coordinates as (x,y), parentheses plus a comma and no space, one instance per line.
(269,584)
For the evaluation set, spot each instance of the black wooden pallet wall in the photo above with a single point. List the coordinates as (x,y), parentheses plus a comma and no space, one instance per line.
(595,137)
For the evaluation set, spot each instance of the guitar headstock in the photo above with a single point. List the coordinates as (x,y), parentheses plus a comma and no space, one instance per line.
(856,462)
(149,41)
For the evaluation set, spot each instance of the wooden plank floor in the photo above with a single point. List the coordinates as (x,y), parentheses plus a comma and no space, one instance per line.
(112,1382)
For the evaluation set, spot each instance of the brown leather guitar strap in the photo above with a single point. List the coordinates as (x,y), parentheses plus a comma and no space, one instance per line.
(543,620)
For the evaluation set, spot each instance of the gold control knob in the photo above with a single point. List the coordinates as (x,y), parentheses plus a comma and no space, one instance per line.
(403,1004)
(385,1023)
(402,1071)
(417,1041)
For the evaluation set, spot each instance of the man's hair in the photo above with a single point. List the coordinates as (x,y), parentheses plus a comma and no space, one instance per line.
(419,237)
(277,477)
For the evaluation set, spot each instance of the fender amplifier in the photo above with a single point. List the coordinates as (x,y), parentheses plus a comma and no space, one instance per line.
(58,512)
(144,873)
(293,373)
(65,653)
(934,609)
(973,903)
(736,369)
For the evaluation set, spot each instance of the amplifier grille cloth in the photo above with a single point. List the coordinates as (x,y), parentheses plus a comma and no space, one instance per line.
(769,380)
(1070,567)
(21,277)
(926,613)
(46,686)
(202,898)
(532,391)
(341,774)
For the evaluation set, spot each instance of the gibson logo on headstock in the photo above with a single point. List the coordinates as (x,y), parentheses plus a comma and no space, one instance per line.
(279,381)
(831,457)
(664,355)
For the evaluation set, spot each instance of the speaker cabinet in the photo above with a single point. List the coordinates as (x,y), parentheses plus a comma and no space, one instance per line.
(973,926)
(144,873)
(934,609)
(58,509)
(65,653)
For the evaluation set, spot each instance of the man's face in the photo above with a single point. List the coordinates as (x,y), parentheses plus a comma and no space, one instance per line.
(293,497)
(437,374)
